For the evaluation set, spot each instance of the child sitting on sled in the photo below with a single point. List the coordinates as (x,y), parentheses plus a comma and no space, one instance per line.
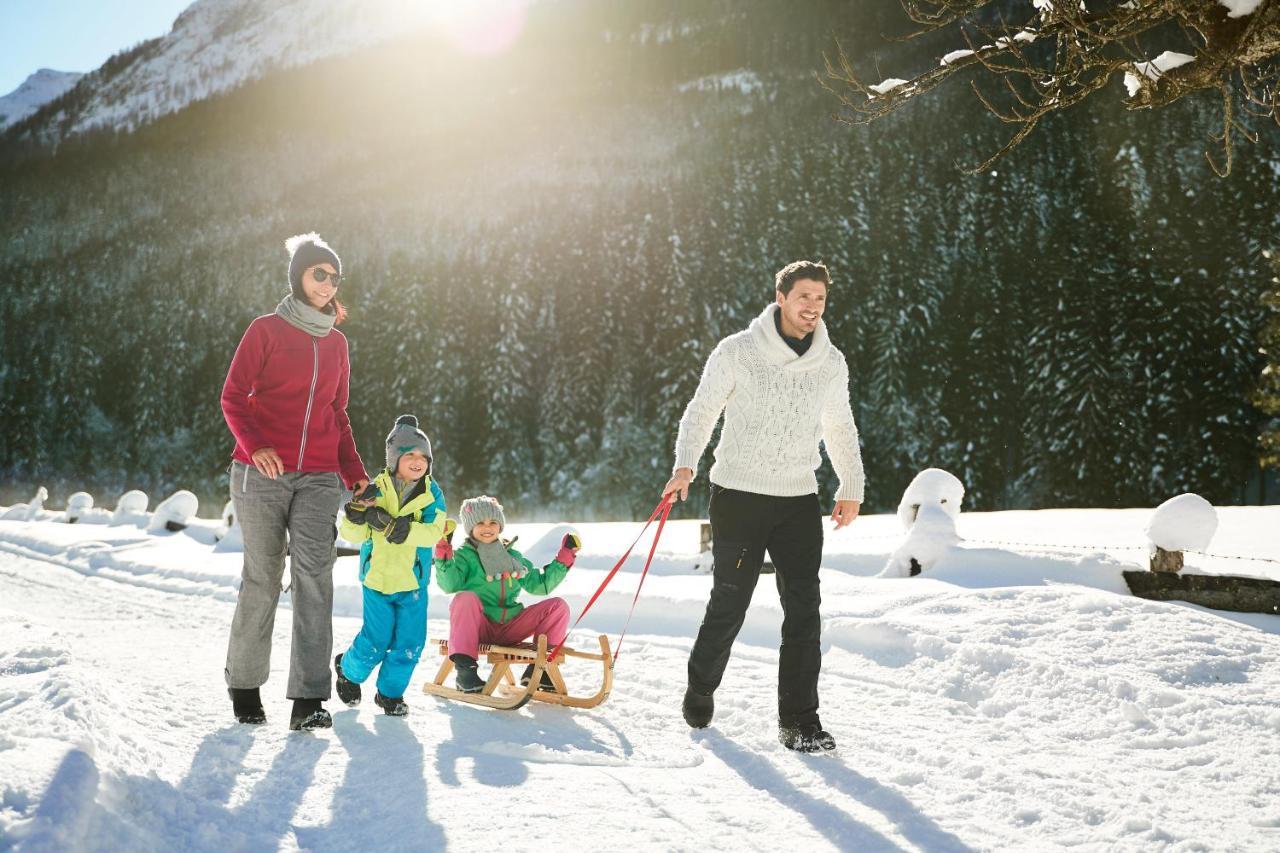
(396,520)
(487,575)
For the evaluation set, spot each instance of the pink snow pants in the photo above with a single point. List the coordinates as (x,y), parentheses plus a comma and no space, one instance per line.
(469,627)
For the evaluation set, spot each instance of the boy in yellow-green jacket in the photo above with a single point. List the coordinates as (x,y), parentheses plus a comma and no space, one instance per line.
(396,520)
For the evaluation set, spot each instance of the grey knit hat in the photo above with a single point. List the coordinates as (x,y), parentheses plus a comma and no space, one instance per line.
(305,251)
(406,436)
(476,510)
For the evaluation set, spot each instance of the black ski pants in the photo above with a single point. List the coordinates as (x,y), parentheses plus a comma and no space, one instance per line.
(743,526)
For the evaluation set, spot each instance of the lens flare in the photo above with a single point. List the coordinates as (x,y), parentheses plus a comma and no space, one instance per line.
(484,27)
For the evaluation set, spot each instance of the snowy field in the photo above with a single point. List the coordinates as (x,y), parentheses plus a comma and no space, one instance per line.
(1015,697)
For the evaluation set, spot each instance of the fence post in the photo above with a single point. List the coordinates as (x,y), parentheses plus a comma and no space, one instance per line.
(1165,561)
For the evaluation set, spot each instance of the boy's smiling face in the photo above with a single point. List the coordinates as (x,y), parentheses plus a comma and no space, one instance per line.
(412,465)
(486,531)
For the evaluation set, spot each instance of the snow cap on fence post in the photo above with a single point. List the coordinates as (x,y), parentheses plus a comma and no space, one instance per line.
(33,510)
(1183,523)
(931,486)
(77,505)
(928,512)
(174,512)
(230,537)
(131,508)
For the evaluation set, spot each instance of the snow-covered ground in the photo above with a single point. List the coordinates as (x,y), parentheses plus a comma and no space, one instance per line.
(1013,697)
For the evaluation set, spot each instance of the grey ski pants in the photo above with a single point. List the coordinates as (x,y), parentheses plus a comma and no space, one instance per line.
(294,513)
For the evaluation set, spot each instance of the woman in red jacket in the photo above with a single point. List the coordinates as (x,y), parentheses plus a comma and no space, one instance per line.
(285,400)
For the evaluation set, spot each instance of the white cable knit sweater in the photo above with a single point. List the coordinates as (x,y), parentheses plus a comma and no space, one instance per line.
(777,406)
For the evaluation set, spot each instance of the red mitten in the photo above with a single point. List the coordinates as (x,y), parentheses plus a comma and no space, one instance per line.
(569,549)
(443,550)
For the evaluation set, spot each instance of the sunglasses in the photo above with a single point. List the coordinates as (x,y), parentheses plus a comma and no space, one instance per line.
(322,275)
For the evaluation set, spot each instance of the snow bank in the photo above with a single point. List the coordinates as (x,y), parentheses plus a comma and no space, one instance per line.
(1184,523)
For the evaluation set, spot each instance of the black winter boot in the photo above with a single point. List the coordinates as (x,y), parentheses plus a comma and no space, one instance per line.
(698,708)
(348,691)
(810,737)
(247,704)
(545,683)
(391,707)
(309,714)
(468,679)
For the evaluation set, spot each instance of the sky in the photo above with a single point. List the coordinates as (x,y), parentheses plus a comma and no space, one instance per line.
(74,35)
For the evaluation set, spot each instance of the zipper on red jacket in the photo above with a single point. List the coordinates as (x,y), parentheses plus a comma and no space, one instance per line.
(311,396)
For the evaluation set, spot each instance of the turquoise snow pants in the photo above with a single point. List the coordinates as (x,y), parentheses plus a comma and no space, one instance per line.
(393,634)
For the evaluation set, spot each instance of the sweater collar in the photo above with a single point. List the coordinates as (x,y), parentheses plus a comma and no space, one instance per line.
(799,346)
(775,351)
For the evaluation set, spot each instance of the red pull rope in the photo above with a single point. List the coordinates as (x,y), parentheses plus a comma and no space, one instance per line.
(664,509)
(665,506)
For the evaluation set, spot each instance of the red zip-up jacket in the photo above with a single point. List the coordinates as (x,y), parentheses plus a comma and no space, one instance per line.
(288,390)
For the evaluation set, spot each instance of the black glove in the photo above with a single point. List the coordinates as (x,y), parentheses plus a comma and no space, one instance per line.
(399,530)
(369,492)
(378,518)
(355,514)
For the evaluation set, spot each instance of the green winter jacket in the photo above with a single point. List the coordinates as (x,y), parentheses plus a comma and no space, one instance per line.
(388,567)
(498,596)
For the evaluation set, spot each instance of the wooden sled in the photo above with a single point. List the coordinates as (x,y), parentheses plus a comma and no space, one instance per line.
(503,692)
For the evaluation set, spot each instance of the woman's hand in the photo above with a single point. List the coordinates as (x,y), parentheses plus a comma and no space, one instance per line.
(356,488)
(268,462)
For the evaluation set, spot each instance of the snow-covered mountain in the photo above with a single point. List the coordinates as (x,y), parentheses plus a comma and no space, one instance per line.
(36,91)
(216,45)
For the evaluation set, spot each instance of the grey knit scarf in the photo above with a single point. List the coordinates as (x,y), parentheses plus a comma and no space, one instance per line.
(302,316)
(495,560)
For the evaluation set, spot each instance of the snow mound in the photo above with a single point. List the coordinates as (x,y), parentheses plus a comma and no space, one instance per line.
(131,508)
(178,509)
(931,486)
(1184,523)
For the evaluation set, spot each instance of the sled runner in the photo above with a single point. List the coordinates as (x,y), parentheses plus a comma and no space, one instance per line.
(503,692)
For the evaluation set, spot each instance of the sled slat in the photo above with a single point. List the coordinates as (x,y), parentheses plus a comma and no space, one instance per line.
(503,692)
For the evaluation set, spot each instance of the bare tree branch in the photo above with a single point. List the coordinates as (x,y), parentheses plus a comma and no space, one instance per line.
(1091,43)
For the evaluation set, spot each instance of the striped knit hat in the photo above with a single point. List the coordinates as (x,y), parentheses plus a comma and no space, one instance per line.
(406,436)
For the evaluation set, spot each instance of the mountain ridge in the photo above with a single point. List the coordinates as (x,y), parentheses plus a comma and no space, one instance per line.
(40,87)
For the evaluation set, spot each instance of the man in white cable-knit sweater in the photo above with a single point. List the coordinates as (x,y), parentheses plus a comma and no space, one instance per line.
(782,387)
